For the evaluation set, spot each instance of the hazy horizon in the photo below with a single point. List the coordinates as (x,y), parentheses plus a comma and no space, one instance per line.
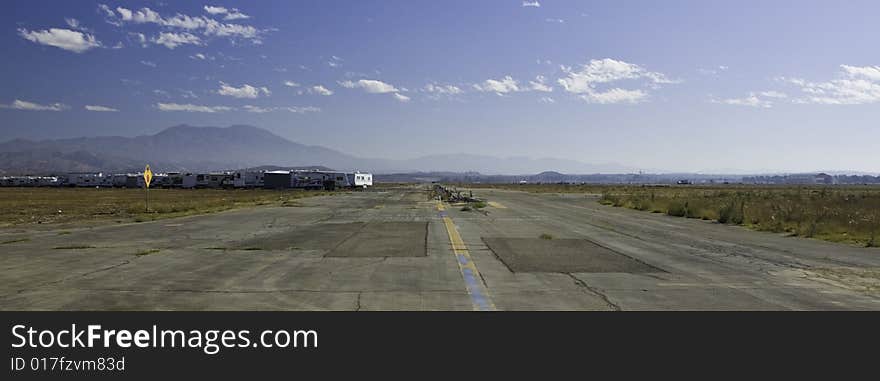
(683,86)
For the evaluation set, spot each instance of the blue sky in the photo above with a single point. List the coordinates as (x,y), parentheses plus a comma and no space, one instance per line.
(672,85)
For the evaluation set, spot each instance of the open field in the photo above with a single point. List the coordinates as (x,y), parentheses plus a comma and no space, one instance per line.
(24,206)
(849,214)
(396,249)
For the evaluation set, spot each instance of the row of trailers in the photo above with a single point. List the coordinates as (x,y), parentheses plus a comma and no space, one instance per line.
(301,179)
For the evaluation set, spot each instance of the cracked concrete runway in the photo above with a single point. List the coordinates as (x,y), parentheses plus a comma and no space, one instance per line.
(390,250)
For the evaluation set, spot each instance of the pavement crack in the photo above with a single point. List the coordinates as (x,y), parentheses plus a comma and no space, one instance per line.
(595,291)
(65,279)
(359,301)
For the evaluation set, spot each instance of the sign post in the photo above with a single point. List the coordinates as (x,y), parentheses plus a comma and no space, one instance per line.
(148,176)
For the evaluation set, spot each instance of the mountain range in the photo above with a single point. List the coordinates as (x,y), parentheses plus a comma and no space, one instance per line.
(191,148)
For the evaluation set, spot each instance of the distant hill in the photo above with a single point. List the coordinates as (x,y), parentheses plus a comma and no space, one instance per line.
(190,148)
(179,148)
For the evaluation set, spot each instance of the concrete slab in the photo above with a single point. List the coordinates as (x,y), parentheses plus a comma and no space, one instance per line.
(385,239)
(562,255)
(313,237)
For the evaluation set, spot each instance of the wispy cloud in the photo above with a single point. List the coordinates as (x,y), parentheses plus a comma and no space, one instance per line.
(148,63)
(498,86)
(66,39)
(230,14)
(372,86)
(245,91)
(855,85)
(320,90)
(291,84)
(172,40)
(539,84)
(534,4)
(97,108)
(752,100)
(439,89)
(334,61)
(586,80)
(202,56)
(31,106)
(207,26)
(293,109)
(187,107)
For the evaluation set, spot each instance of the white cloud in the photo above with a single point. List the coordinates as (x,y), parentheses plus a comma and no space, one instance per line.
(752,100)
(442,89)
(773,94)
(539,84)
(198,56)
(401,97)
(256,109)
(235,14)
(207,26)
(191,107)
(856,85)
(334,61)
(187,94)
(100,108)
(245,91)
(762,99)
(547,100)
(291,84)
(231,14)
(534,4)
(293,109)
(30,106)
(556,21)
(498,86)
(615,95)
(596,72)
(66,39)
(172,40)
(144,15)
(74,24)
(321,90)
(370,85)
(148,63)
(712,71)
(107,11)
(141,39)
(301,109)
(215,10)
(867,72)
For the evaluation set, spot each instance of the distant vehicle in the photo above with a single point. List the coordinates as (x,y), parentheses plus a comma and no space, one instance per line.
(363,180)
(683,182)
(248,179)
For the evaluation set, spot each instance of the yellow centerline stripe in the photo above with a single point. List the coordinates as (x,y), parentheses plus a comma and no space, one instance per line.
(472,280)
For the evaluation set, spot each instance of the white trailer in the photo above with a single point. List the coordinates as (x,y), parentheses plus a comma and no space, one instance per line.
(363,180)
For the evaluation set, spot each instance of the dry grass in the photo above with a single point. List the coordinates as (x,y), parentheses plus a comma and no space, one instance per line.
(23,206)
(849,214)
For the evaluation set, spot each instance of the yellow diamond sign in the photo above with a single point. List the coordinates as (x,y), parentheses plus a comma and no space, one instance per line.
(148,176)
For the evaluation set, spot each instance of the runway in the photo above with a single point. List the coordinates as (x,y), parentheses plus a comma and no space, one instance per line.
(396,249)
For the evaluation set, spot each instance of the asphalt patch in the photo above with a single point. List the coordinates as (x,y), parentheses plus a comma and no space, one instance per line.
(535,255)
(385,239)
